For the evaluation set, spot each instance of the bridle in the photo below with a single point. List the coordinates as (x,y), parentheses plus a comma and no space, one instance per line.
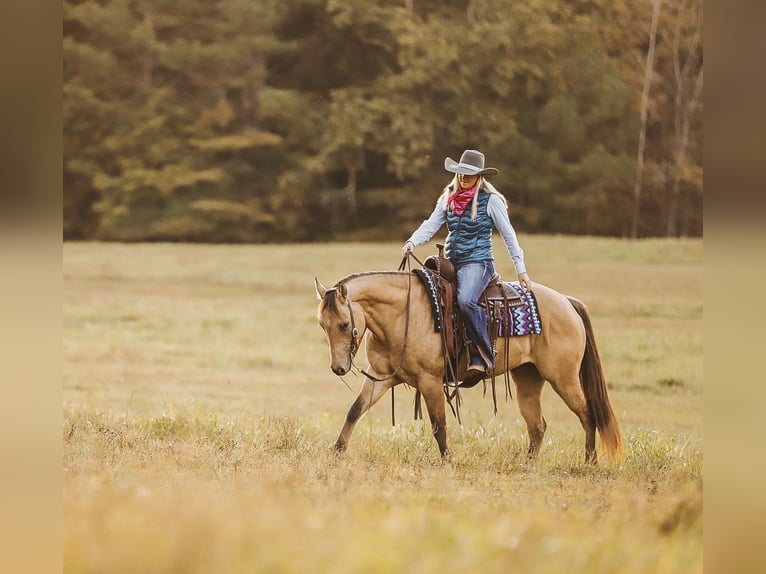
(354,347)
(354,334)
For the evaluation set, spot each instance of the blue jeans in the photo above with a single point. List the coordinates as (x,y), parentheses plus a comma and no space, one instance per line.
(472,279)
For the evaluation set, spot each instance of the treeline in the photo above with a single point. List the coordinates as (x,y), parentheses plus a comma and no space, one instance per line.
(298,120)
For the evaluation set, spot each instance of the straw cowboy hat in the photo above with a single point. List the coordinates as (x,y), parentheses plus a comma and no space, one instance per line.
(471,163)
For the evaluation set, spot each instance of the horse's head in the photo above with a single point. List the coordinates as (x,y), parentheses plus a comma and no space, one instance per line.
(343,324)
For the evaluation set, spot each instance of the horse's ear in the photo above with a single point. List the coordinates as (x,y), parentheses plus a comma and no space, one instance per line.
(321,289)
(342,293)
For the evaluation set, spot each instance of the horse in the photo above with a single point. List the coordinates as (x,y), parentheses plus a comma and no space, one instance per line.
(390,311)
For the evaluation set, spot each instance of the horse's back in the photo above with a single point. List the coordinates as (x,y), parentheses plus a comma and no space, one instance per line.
(563,332)
(555,307)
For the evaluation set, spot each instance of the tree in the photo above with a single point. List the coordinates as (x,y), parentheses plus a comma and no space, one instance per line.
(687,73)
(644,111)
(294,120)
(161,117)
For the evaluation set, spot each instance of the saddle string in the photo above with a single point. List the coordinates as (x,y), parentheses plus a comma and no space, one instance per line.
(450,369)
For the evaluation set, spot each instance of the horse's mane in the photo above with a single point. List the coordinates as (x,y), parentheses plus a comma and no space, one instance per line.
(367,273)
(330,300)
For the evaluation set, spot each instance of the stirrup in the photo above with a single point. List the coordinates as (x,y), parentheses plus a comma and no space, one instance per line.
(473,376)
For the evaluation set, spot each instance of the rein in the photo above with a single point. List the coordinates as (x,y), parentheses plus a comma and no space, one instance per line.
(355,332)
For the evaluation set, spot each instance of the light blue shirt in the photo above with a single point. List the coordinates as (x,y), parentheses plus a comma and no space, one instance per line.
(496,209)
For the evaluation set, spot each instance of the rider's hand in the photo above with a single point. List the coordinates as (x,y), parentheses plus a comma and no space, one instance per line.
(525,281)
(407,248)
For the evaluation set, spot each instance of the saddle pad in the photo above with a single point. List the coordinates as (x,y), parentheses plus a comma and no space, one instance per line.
(523,319)
(430,284)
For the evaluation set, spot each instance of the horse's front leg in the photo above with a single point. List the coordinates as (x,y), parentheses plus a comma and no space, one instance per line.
(368,396)
(432,390)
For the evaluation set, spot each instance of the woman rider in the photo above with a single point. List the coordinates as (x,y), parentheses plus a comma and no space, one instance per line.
(471,207)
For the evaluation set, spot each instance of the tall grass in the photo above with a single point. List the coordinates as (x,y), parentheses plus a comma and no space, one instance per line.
(199,412)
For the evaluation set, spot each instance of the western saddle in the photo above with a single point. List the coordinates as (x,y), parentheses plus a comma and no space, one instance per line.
(497,299)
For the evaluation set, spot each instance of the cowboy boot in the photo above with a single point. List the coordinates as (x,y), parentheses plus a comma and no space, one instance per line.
(477,367)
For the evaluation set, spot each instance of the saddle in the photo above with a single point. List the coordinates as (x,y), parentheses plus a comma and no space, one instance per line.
(497,299)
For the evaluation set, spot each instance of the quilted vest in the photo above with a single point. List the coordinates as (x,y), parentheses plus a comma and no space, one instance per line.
(469,241)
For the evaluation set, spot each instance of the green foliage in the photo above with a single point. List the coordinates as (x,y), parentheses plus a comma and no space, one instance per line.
(232,120)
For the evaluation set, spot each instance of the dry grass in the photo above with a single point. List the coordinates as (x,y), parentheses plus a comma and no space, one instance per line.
(199,412)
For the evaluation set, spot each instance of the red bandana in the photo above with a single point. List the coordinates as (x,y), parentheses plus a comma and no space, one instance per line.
(460,199)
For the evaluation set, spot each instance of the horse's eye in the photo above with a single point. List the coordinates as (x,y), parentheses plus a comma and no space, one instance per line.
(344,327)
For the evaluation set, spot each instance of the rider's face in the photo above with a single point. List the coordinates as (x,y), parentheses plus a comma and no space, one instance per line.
(467,181)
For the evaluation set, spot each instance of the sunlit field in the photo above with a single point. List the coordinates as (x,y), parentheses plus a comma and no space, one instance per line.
(200,411)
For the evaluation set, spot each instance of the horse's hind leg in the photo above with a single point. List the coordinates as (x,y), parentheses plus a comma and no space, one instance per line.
(433,394)
(529,388)
(569,389)
(368,396)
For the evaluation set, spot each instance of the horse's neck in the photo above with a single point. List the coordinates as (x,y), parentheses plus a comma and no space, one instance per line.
(382,296)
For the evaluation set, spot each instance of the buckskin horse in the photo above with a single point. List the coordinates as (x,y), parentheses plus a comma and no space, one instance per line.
(393,311)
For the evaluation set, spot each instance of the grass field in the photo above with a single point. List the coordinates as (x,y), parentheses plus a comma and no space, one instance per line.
(199,411)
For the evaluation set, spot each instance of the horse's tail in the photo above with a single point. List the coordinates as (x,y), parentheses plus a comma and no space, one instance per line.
(593,381)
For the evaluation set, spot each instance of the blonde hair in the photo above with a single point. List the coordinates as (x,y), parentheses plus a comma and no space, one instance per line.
(480,183)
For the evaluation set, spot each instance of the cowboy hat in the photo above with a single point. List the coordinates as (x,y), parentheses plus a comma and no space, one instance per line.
(471,163)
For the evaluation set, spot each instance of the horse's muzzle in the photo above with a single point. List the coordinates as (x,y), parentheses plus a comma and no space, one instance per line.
(340,371)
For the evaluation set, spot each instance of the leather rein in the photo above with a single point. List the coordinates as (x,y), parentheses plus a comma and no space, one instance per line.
(355,332)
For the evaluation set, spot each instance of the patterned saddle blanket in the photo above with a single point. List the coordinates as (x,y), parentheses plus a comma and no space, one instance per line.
(514,317)
(514,313)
